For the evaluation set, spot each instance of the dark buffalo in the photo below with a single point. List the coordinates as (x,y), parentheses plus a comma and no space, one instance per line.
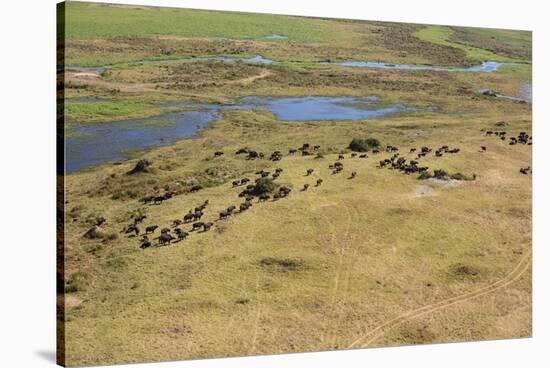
(145,243)
(196,188)
(197,225)
(165,238)
(139,219)
(151,229)
(188,217)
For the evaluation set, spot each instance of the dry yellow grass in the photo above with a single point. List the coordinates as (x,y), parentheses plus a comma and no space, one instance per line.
(365,250)
(382,259)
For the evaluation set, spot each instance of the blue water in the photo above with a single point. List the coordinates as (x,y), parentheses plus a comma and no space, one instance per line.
(258,59)
(323,108)
(275,37)
(83,69)
(486,66)
(93,144)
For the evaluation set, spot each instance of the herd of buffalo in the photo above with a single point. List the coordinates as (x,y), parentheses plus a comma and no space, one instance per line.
(249,190)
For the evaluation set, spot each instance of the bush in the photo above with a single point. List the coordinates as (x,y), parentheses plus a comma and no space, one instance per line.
(264,185)
(363,145)
(459,176)
(440,174)
(142,166)
(425,175)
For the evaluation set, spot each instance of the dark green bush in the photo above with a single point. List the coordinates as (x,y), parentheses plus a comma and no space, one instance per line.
(363,145)
(425,175)
(459,176)
(264,185)
(440,174)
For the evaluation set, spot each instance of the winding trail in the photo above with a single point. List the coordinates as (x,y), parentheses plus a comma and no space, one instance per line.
(342,244)
(514,275)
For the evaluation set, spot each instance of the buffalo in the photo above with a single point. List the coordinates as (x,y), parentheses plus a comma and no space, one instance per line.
(150,229)
(165,238)
(196,188)
(189,217)
(197,225)
(145,243)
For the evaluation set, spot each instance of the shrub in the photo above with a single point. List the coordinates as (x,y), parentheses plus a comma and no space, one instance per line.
(440,174)
(142,166)
(264,185)
(363,145)
(459,176)
(424,175)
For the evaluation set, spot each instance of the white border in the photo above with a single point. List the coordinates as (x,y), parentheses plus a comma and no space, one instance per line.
(27,209)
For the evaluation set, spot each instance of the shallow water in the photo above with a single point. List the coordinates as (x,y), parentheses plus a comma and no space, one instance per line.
(93,144)
(275,36)
(258,59)
(486,66)
(84,69)
(323,108)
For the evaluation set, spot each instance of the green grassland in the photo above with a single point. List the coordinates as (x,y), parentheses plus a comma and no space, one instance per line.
(323,268)
(108,20)
(441,35)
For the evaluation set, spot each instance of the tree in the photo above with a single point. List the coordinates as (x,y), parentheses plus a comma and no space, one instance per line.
(263,185)
(363,145)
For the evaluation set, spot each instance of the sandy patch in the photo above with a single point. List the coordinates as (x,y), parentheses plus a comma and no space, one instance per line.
(452,183)
(72,301)
(85,75)
(423,191)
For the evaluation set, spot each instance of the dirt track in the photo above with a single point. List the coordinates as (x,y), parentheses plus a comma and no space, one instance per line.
(514,275)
